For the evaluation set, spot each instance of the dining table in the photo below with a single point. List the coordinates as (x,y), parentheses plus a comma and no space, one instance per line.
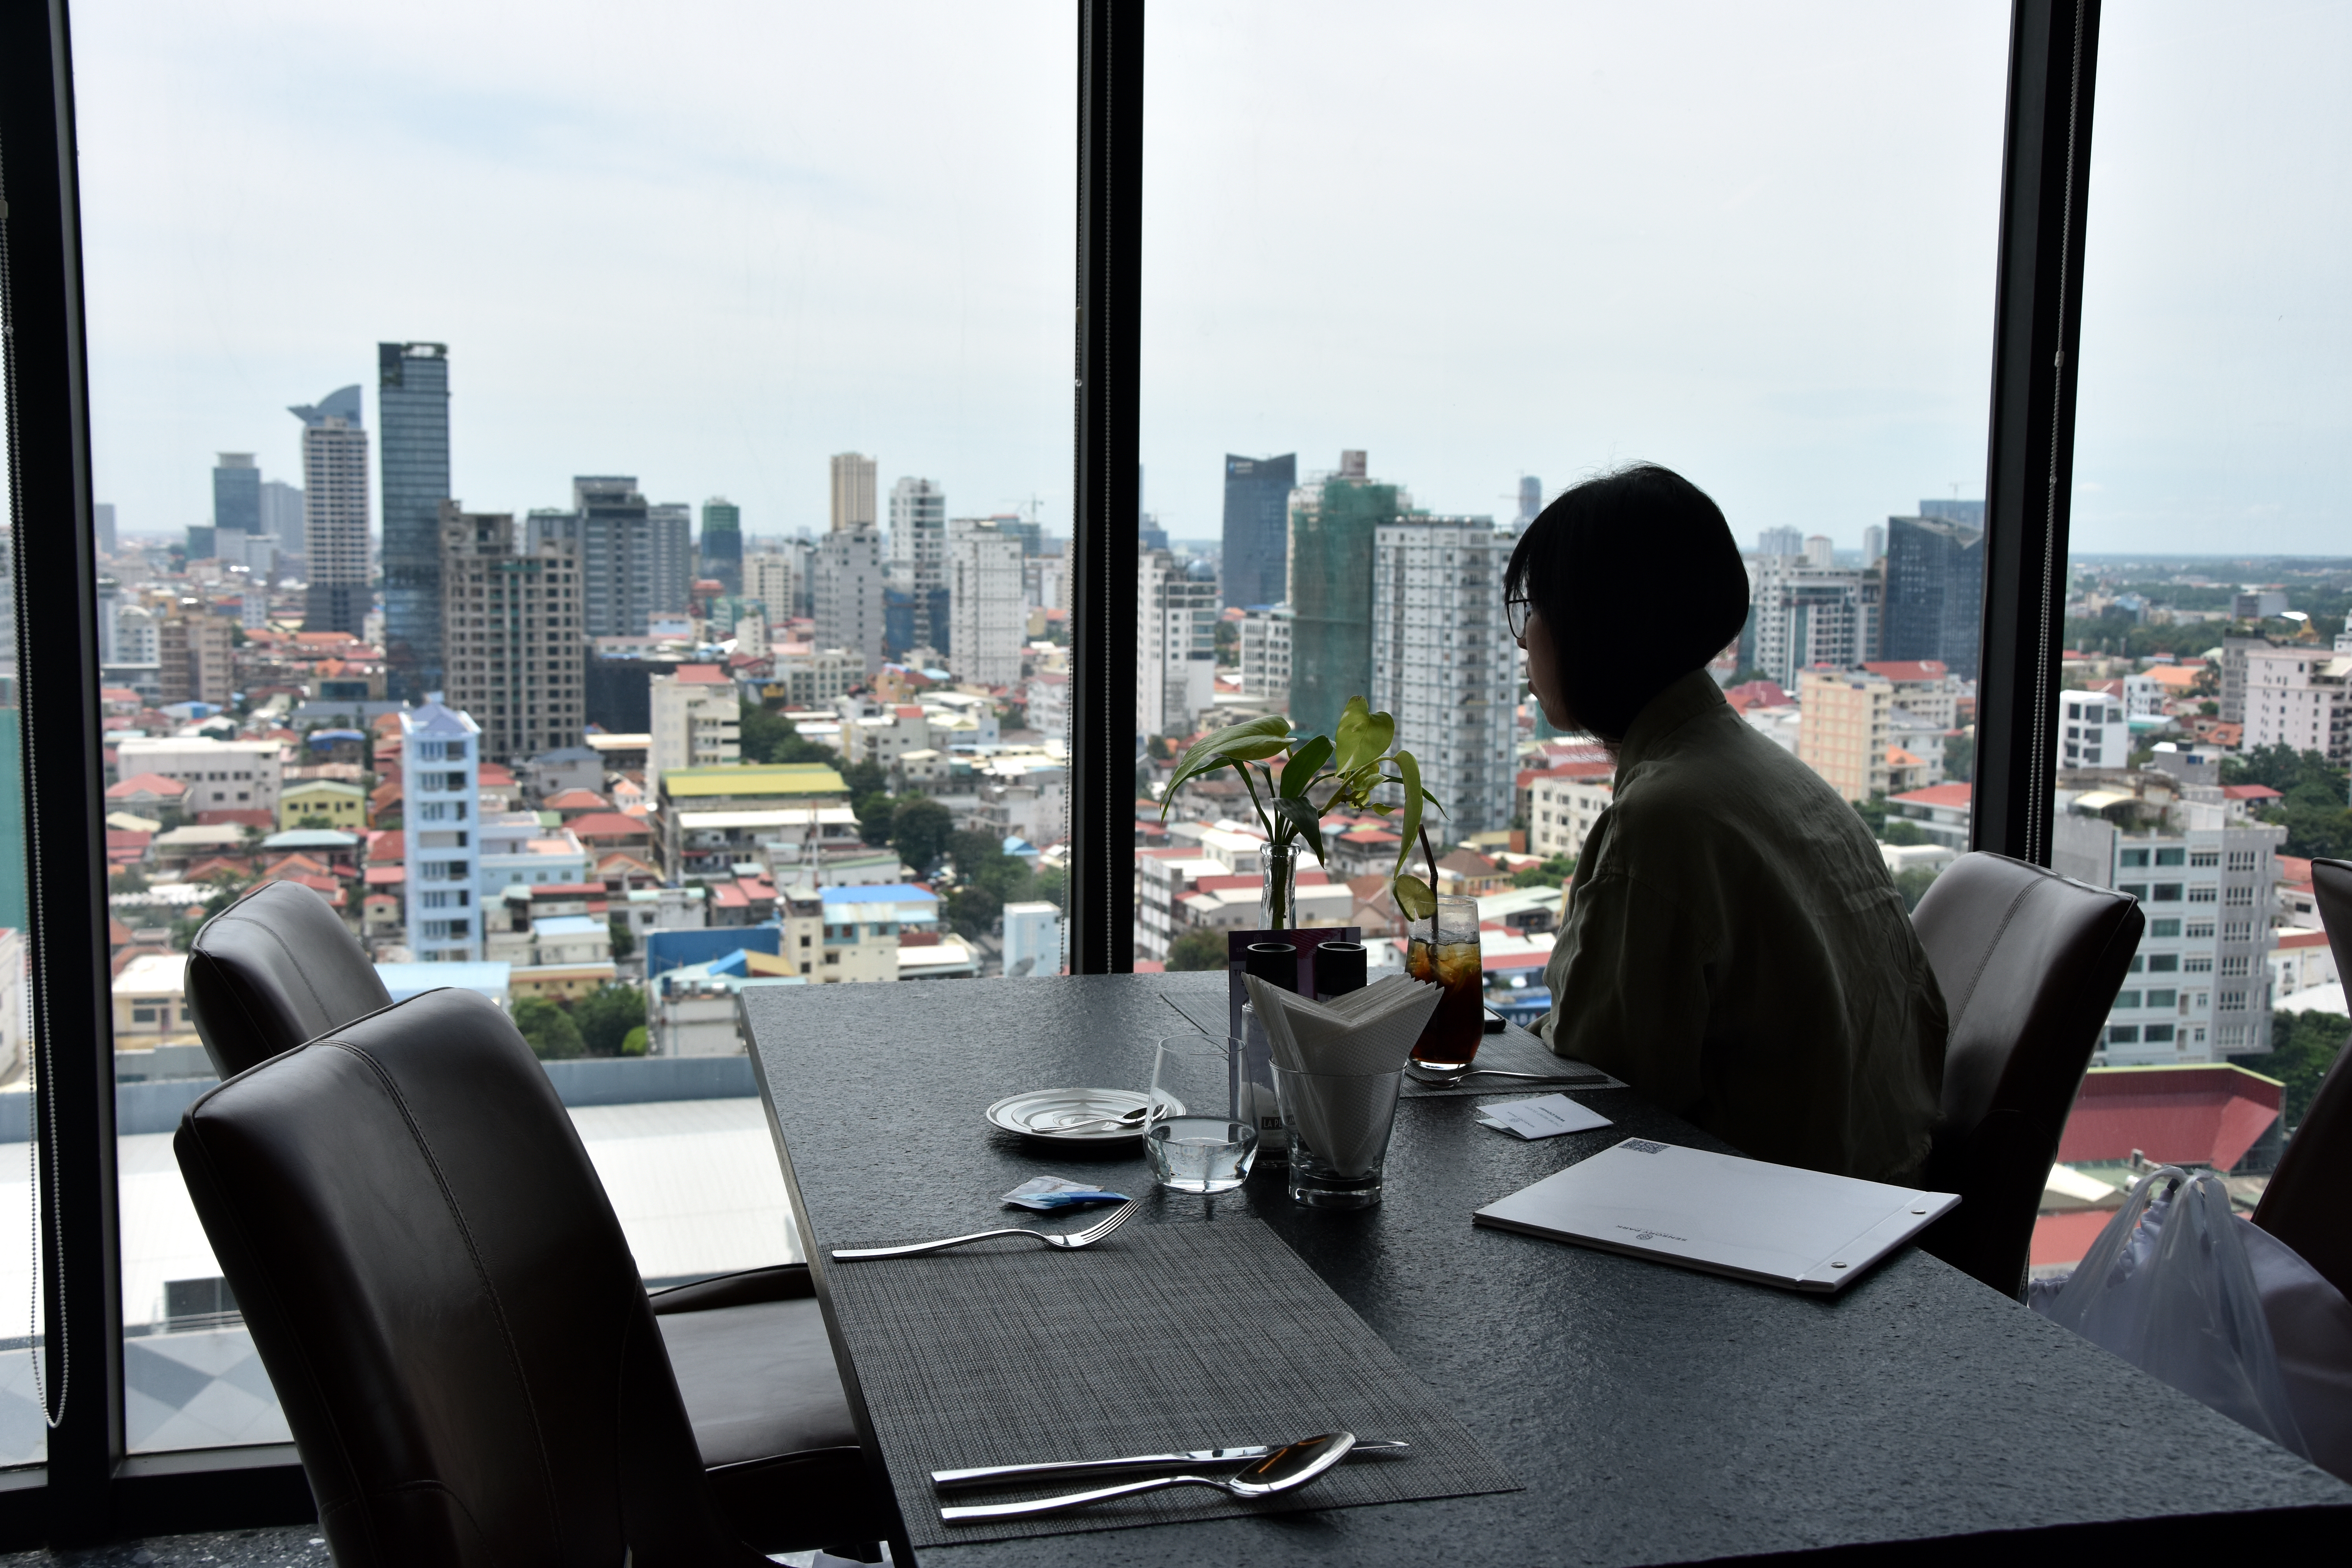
(1646,1413)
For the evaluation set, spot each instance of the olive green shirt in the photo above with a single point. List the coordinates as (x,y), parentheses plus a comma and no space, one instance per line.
(1735,950)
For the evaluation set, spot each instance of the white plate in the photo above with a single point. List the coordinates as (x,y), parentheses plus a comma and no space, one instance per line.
(1044,1113)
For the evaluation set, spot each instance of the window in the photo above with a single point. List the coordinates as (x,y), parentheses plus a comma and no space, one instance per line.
(2132,857)
(2162,998)
(2203,893)
(2133,889)
(2159,1034)
(2161,928)
(2169,856)
(2163,963)
(2205,858)
(2127,999)
(2168,893)
(2123,1033)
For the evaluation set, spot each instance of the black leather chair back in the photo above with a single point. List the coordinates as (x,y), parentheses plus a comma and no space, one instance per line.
(274,969)
(2303,1203)
(442,1295)
(2029,962)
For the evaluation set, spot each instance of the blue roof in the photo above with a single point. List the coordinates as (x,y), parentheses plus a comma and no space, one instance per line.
(567,925)
(311,838)
(328,737)
(880,893)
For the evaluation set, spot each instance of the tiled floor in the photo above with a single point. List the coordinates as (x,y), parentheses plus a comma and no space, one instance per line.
(234,1549)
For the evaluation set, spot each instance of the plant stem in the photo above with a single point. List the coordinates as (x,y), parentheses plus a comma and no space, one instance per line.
(1431,856)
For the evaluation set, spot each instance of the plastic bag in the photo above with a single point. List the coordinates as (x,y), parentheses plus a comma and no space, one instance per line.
(2169,1287)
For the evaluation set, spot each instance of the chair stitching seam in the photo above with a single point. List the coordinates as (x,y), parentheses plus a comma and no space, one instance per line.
(481,1271)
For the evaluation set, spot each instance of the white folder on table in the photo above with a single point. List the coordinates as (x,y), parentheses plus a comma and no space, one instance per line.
(1774,1224)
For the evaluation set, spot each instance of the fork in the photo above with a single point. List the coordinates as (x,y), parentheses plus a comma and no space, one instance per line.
(1069,1241)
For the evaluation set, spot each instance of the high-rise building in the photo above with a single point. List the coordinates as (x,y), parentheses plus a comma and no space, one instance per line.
(2093,730)
(1800,615)
(515,655)
(919,553)
(987,608)
(101,517)
(2199,989)
(1934,589)
(846,588)
(853,492)
(636,559)
(1779,542)
(1874,545)
(1176,645)
(1843,733)
(413,404)
(440,808)
(1531,501)
(1257,559)
(1969,514)
(1333,521)
(767,583)
(281,510)
(721,548)
(2299,695)
(1821,551)
(1265,654)
(696,716)
(236,494)
(192,655)
(334,512)
(1444,663)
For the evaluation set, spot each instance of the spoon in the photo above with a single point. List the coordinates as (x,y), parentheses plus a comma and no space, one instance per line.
(1135,1118)
(1288,1467)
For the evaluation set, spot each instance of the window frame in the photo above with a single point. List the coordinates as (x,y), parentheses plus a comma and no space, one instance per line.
(89,1489)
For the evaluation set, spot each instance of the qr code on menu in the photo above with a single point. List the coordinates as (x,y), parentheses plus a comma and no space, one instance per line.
(1642,1146)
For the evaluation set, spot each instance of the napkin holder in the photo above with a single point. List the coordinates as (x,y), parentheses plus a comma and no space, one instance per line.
(1253,1065)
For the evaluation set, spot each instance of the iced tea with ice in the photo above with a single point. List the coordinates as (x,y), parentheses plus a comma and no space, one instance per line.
(1444,952)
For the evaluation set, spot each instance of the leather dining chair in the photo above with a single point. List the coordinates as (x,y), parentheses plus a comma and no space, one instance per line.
(2303,1204)
(445,1303)
(274,969)
(748,1350)
(2029,962)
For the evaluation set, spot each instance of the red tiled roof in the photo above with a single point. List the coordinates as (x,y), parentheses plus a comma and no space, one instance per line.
(1940,794)
(701,675)
(2295,938)
(386,876)
(1907,668)
(609,824)
(145,784)
(2203,1115)
(2295,868)
(2250,792)
(728,896)
(576,800)
(1896,757)
(260,819)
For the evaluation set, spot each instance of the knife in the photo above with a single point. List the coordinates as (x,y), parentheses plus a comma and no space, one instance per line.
(943,1480)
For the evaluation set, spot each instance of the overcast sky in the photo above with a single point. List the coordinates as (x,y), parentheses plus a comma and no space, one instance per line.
(710,244)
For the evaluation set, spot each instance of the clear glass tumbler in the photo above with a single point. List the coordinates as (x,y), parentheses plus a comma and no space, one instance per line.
(1193,1133)
(1445,950)
(1338,1125)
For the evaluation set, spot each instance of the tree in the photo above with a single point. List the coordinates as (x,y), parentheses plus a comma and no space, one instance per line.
(1554,871)
(625,940)
(2314,814)
(919,830)
(548,1030)
(2302,1047)
(1913,882)
(1197,949)
(767,736)
(315,820)
(1961,758)
(1743,676)
(606,1016)
(865,778)
(632,1044)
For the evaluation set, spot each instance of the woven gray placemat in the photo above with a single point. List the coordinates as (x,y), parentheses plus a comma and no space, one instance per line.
(1512,1048)
(1160,1338)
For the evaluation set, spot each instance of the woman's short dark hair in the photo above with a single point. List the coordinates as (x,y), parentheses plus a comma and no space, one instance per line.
(1638,582)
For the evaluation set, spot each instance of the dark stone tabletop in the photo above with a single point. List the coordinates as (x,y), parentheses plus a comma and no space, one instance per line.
(1653,1415)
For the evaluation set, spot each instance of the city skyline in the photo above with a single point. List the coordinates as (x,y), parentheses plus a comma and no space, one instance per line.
(1727,306)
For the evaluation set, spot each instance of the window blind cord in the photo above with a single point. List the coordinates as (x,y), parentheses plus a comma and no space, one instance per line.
(45,1102)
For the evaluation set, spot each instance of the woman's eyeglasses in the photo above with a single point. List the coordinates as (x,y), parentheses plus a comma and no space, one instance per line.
(1518,610)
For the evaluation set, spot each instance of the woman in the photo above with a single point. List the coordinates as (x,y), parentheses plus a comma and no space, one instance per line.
(1734,949)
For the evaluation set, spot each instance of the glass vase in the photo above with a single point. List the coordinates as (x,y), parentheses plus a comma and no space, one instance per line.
(1278,899)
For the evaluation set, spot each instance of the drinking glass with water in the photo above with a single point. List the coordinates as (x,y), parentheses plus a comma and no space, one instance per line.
(1194,1134)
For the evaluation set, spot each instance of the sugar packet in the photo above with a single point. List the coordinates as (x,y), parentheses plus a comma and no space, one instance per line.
(1546,1117)
(1048,1192)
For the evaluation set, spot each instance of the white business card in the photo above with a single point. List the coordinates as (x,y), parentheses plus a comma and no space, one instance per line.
(1546,1117)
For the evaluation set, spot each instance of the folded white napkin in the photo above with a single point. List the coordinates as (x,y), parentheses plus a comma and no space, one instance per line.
(1367,1031)
(1354,1045)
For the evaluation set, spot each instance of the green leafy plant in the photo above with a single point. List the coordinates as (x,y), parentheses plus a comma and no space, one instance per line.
(1356,764)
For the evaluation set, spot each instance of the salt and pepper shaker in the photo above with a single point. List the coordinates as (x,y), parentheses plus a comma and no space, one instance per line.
(1338,969)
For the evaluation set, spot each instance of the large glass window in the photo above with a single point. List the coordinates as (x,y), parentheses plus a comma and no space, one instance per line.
(587,494)
(1406,279)
(2205,622)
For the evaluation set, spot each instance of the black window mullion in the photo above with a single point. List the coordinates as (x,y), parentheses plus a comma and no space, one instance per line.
(1100,898)
(58,674)
(2029,459)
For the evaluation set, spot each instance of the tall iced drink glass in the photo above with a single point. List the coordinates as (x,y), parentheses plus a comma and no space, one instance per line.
(1443,950)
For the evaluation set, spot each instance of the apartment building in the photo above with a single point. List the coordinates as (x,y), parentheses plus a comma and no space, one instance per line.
(513,653)
(442,838)
(2093,730)
(697,723)
(1564,803)
(2299,696)
(1444,662)
(221,776)
(1843,727)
